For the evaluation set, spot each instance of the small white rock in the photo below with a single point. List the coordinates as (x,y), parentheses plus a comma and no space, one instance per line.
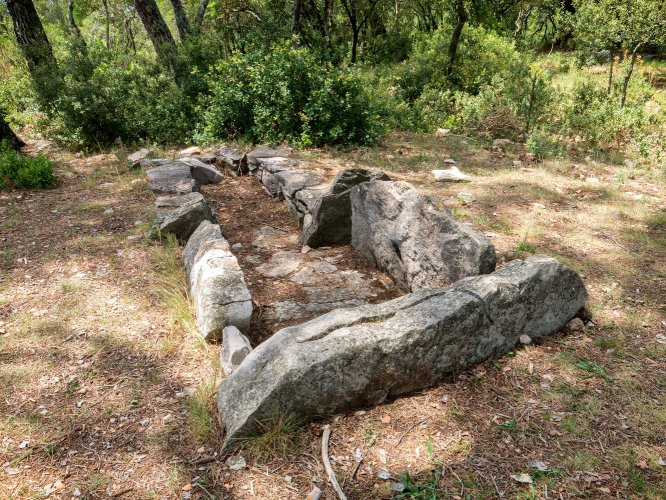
(575,325)
(236,463)
(452,174)
(525,339)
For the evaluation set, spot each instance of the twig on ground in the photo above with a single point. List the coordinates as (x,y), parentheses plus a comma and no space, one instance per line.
(408,431)
(327,463)
(120,493)
(200,486)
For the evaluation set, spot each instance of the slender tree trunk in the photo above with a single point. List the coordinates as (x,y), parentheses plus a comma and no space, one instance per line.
(181,19)
(610,74)
(31,37)
(461,19)
(159,34)
(296,20)
(107,17)
(7,134)
(201,13)
(354,47)
(627,77)
(72,24)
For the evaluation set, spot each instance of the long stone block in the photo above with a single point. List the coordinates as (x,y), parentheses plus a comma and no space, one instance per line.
(361,356)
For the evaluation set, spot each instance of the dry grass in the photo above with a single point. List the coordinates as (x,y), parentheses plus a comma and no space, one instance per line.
(104,390)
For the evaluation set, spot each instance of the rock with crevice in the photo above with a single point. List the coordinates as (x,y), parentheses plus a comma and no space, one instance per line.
(219,292)
(261,152)
(362,356)
(171,178)
(281,264)
(414,238)
(171,201)
(201,172)
(327,217)
(236,159)
(235,348)
(184,219)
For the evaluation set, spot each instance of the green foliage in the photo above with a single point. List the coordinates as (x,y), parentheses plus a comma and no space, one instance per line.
(595,116)
(24,171)
(115,103)
(289,94)
(428,489)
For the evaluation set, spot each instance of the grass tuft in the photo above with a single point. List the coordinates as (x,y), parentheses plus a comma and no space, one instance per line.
(276,440)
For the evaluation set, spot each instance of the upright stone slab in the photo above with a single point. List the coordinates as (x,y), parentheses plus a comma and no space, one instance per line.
(268,168)
(235,348)
(256,154)
(357,357)
(221,297)
(171,178)
(206,234)
(237,160)
(327,219)
(201,172)
(415,239)
(183,220)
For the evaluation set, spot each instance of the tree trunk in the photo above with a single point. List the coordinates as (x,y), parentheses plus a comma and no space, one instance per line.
(201,13)
(7,134)
(159,34)
(181,19)
(354,46)
(296,20)
(627,77)
(461,15)
(610,74)
(107,17)
(31,37)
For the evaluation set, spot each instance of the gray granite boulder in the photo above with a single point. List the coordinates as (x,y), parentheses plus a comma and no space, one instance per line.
(415,239)
(201,172)
(170,201)
(237,160)
(267,170)
(183,220)
(256,154)
(221,297)
(327,219)
(357,357)
(235,348)
(171,178)
(206,234)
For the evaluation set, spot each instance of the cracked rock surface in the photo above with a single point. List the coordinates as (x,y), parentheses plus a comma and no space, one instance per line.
(360,356)
(414,238)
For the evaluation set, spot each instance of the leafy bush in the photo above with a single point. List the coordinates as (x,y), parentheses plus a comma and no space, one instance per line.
(24,171)
(289,94)
(593,115)
(102,104)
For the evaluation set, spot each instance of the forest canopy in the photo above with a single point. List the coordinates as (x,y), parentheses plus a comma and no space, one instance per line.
(93,73)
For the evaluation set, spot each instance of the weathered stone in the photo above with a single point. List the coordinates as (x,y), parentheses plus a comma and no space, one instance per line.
(328,217)
(235,348)
(358,357)
(416,240)
(183,220)
(264,152)
(206,234)
(135,158)
(221,297)
(234,158)
(269,168)
(155,162)
(200,171)
(192,150)
(452,174)
(281,264)
(176,201)
(171,178)
(266,236)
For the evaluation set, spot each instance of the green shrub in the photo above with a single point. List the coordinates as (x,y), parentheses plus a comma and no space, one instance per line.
(101,103)
(290,95)
(23,171)
(590,114)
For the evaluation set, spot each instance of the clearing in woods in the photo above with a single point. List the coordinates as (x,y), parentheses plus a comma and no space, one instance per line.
(107,393)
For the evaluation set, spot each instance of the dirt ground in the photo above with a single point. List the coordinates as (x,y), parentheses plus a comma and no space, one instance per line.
(106,393)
